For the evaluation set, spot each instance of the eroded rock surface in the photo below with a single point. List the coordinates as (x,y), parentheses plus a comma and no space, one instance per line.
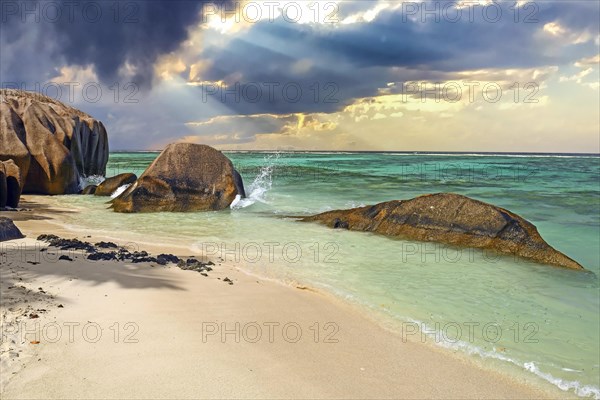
(452,219)
(52,144)
(184,177)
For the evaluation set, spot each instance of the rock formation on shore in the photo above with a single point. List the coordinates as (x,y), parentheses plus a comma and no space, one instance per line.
(11,184)
(184,177)
(8,230)
(109,185)
(452,219)
(52,144)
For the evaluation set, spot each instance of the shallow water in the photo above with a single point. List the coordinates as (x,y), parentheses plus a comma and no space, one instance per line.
(540,320)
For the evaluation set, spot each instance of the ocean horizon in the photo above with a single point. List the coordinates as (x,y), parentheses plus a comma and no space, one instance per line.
(474,153)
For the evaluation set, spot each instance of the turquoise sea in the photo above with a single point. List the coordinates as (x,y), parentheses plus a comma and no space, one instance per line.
(528,319)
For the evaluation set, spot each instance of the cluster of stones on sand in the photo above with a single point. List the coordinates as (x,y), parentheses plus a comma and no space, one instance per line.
(109,251)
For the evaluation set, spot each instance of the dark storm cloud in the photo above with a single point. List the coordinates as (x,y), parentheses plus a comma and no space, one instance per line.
(105,34)
(288,73)
(268,77)
(458,40)
(398,45)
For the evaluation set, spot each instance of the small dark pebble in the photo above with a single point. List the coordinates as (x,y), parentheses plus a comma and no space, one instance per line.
(141,256)
(102,256)
(163,259)
(33,262)
(228,280)
(195,266)
(106,245)
(67,258)
(32,316)
(60,306)
(135,257)
(46,238)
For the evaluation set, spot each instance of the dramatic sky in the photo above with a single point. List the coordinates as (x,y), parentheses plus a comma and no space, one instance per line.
(317,75)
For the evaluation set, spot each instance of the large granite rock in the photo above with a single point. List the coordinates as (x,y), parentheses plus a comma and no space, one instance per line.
(452,219)
(239,183)
(52,144)
(8,230)
(3,187)
(109,185)
(184,177)
(10,184)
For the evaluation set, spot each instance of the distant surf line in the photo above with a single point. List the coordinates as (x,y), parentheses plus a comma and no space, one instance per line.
(393,153)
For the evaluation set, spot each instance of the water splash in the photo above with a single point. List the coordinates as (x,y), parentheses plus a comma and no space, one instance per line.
(119,190)
(262,184)
(90,180)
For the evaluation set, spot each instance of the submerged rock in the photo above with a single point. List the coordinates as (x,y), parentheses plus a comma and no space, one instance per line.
(452,219)
(8,230)
(52,144)
(184,177)
(110,185)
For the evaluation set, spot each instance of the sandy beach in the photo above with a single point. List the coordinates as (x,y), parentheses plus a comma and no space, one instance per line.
(119,330)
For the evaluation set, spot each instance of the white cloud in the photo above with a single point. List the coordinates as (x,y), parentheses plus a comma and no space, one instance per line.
(594,60)
(554,29)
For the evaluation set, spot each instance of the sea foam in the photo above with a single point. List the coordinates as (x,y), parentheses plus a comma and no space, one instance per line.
(580,389)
